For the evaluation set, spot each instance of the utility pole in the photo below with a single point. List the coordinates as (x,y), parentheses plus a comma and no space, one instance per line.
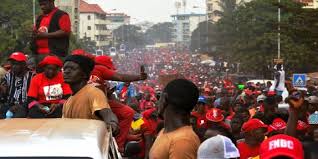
(199,32)
(278,36)
(34,13)
(207,32)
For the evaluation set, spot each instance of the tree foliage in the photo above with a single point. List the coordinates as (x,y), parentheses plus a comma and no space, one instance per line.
(248,35)
(159,33)
(130,35)
(16,24)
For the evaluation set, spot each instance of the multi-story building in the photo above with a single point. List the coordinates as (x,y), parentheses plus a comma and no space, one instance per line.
(184,25)
(93,24)
(72,8)
(117,20)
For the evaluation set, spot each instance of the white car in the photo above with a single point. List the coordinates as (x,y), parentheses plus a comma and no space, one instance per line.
(112,51)
(56,138)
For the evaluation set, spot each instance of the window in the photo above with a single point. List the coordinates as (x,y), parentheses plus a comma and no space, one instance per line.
(89,17)
(89,28)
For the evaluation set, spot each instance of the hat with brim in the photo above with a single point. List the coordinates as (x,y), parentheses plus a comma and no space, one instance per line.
(281,145)
(215,115)
(253,124)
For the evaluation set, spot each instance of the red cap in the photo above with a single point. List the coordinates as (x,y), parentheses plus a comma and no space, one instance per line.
(51,60)
(78,52)
(281,145)
(253,124)
(106,61)
(271,93)
(278,124)
(214,115)
(18,56)
(302,126)
(248,92)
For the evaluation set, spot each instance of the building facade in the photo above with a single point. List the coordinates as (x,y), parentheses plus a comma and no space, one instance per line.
(93,25)
(72,8)
(117,20)
(184,25)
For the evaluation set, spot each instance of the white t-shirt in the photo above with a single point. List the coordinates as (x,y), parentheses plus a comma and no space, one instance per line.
(281,84)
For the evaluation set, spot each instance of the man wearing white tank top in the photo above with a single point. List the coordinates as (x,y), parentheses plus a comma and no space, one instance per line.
(279,82)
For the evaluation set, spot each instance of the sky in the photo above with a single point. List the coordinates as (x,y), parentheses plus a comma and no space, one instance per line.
(148,10)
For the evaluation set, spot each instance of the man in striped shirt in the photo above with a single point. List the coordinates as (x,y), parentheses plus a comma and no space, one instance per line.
(14,87)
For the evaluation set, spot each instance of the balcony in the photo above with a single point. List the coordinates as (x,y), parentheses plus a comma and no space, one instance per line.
(102,32)
(101,21)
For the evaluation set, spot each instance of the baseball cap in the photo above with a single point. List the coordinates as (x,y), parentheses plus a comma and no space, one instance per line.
(281,145)
(248,92)
(253,124)
(278,124)
(202,99)
(261,98)
(302,126)
(18,56)
(214,115)
(106,61)
(218,147)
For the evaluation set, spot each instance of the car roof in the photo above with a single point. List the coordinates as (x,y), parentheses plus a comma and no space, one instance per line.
(54,137)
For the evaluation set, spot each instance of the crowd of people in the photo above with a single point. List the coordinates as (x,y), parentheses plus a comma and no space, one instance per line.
(160,103)
(207,117)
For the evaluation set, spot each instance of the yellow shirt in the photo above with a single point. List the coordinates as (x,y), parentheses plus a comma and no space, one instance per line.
(85,103)
(182,143)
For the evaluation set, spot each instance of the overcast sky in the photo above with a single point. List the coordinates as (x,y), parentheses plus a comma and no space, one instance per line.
(148,10)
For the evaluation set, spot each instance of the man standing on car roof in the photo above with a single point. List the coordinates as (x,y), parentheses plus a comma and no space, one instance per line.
(87,101)
(52,31)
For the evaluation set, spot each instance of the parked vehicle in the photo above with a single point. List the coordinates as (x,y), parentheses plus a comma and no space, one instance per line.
(56,138)
(112,51)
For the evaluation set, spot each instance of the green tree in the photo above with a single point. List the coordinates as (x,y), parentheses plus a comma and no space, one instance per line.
(16,24)
(227,8)
(249,35)
(159,33)
(201,37)
(130,35)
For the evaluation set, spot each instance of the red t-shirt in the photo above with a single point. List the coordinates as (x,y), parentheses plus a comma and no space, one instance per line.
(200,119)
(48,91)
(247,151)
(64,24)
